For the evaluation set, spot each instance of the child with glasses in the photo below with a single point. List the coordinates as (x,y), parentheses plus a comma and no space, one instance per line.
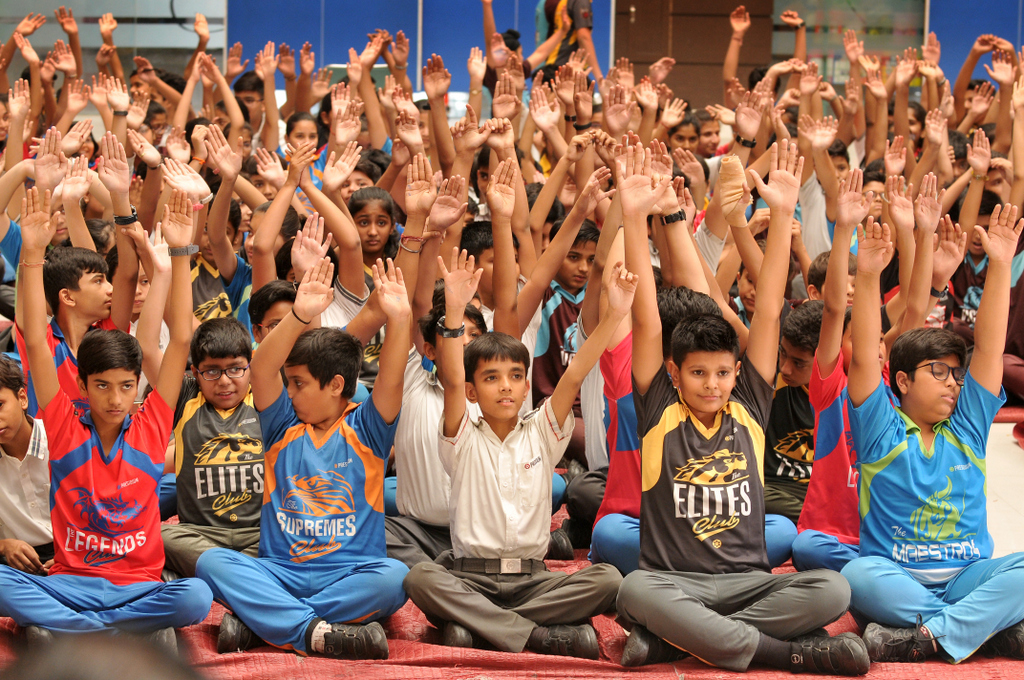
(925,578)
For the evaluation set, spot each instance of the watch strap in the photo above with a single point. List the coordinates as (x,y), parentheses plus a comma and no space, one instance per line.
(189,250)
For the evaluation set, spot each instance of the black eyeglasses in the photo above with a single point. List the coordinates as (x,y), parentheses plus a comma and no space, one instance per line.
(940,371)
(212,374)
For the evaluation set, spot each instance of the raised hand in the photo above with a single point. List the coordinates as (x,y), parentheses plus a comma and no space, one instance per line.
(502,135)
(547,113)
(928,206)
(901,206)
(660,69)
(932,49)
(268,166)
(181,177)
(1003,233)
(64,59)
(408,129)
(137,112)
(461,280)
(853,205)
(874,247)
(235,66)
(337,171)
(76,182)
(906,69)
(810,80)
(301,159)
(447,209)
(784,170)
(501,189)
(30,23)
(307,60)
(219,153)
(476,65)
(321,84)
(37,229)
(979,155)
(624,73)
(177,146)
(28,53)
(107,26)
(436,78)
(823,133)
(76,136)
(309,246)
(506,103)
(982,100)
(618,110)
(740,20)
(420,187)
(673,114)
(619,287)
(118,98)
(791,18)
(645,95)
(19,100)
(143,149)
(749,113)
(583,97)
(950,250)
(266,61)
(854,48)
(315,292)
(895,156)
(467,136)
(51,163)
(391,292)
(637,187)
(1002,69)
(875,85)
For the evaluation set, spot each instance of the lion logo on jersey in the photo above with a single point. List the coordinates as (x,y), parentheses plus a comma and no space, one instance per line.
(721,467)
(106,516)
(227,449)
(325,494)
(938,517)
(797,445)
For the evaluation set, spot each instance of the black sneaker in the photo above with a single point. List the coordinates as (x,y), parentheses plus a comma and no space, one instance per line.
(644,647)
(165,639)
(235,636)
(578,532)
(573,470)
(167,575)
(899,645)
(38,637)
(844,654)
(1008,643)
(813,635)
(576,641)
(559,546)
(351,641)
(456,635)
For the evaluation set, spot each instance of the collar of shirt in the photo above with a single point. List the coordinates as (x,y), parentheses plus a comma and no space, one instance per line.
(577,299)
(37,442)
(977,268)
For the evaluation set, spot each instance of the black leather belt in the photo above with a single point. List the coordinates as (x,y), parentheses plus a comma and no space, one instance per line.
(502,566)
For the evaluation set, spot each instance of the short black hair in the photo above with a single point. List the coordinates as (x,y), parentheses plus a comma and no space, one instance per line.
(221,338)
(65,268)
(802,327)
(688,119)
(676,304)
(102,350)
(491,346)
(557,211)
(839,150)
(428,322)
(588,233)
(327,352)
(248,82)
(297,118)
(923,344)
(102,233)
(819,269)
(873,176)
(11,376)
(703,333)
(268,295)
(958,142)
(478,237)
(989,201)
(378,158)
(368,168)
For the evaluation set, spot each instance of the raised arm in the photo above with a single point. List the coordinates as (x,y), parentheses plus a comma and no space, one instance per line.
(460,282)
(874,251)
(501,197)
(116,177)
(740,21)
(266,69)
(228,163)
(157,262)
(394,301)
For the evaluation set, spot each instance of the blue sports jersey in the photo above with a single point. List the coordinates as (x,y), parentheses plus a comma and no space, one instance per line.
(924,510)
(238,290)
(324,497)
(10,245)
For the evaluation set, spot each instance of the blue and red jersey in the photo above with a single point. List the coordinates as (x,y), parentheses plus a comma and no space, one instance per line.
(103,505)
(622,492)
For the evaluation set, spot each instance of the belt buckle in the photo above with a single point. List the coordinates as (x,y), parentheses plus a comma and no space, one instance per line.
(511,566)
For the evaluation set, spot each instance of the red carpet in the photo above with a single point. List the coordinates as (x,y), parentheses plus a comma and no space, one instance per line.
(415,653)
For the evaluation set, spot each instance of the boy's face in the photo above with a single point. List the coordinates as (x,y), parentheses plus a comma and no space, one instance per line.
(159,124)
(685,138)
(92,299)
(274,315)
(254,102)
(709,138)
(931,399)
(747,291)
(137,87)
(471,334)
(12,412)
(998,184)
(575,269)
(842,166)
(356,181)
(225,392)
(795,364)
(705,380)
(486,262)
(111,395)
(264,187)
(309,400)
(876,203)
(974,245)
(499,387)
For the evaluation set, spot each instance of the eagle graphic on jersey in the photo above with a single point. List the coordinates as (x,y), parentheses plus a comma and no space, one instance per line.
(720,468)
(325,494)
(105,516)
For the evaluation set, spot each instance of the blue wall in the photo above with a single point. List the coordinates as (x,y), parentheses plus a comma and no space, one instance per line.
(957,23)
(450,27)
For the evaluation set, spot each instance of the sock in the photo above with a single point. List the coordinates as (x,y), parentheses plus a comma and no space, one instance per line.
(772,652)
(315,635)
(537,638)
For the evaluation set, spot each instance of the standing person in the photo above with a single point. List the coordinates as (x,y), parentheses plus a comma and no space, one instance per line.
(579,35)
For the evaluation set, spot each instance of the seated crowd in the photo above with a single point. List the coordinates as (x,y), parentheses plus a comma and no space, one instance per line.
(363,357)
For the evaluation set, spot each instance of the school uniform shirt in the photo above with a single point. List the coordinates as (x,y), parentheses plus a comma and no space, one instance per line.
(25,492)
(344,307)
(501,490)
(324,496)
(104,509)
(702,508)
(560,310)
(165,338)
(814,225)
(64,360)
(218,460)
(622,491)
(592,405)
(789,439)
(209,298)
(925,509)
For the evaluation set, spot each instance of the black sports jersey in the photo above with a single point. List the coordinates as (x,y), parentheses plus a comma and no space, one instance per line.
(789,439)
(218,459)
(702,506)
(209,299)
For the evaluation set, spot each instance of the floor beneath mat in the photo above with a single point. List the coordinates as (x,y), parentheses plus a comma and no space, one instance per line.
(415,652)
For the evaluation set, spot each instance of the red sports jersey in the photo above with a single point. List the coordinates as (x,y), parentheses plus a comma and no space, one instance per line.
(622,492)
(104,508)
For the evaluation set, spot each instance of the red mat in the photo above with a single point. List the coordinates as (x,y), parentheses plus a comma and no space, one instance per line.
(416,653)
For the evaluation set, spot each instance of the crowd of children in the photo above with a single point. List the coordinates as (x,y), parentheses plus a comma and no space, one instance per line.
(363,356)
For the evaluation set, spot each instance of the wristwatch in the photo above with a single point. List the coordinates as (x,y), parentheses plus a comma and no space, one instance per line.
(677,216)
(749,143)
(125,220)
(446,332)
(189,250)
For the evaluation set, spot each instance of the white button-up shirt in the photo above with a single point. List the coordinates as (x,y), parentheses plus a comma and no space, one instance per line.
(501,490)
(25,492)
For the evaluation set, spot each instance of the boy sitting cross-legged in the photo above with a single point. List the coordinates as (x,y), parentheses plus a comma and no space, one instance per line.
(321,581)
(925,577)
(704,585)
(105,463)
(495,584)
